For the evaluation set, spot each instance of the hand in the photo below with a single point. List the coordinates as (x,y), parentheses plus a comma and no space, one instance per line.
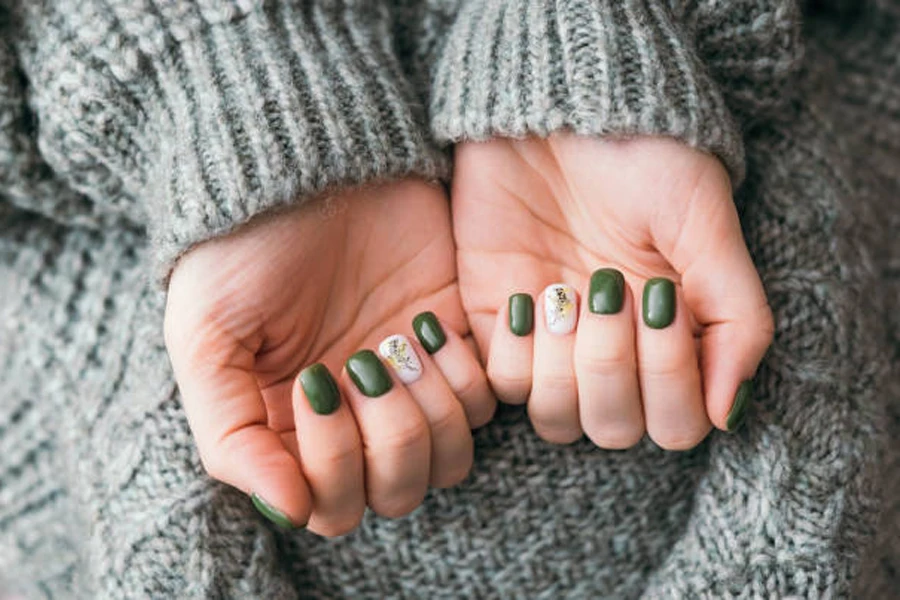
(248,311)
(527,214)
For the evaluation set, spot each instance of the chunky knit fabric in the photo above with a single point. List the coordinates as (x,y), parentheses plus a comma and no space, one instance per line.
(131,130)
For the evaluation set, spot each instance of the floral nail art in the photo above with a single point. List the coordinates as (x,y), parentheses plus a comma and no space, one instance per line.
(560,308)
(400,354)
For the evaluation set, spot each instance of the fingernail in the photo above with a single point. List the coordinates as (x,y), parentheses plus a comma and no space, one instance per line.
(560,308)
(429,331)
(272,513)
(742,400)
(369,375)
(659,303)
(400,354)
(521,314)
(320,389)
(607,292)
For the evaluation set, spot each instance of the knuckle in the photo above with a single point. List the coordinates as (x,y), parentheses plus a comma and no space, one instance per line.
(617,437)
(558,384)
(671,365)
(406,437)
(559,435)
(447,420)
(468,385)
(679,440)
(511,389)
(508,381)
(337,455)
(396,507)
(339,526)
(453,474)
(481,414)
(613,361)
(554,427)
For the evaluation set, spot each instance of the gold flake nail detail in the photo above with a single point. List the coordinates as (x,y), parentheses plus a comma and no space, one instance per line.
(400,354)
(560,308)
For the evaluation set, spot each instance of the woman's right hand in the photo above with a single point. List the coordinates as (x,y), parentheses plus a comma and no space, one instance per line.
(247,312)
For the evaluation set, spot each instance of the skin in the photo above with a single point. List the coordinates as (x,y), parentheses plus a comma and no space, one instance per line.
(246,312)
(529,213)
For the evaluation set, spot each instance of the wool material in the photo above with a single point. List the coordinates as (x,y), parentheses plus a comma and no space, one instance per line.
(131,131)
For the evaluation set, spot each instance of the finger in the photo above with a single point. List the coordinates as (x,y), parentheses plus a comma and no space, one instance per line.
(723,290)
(460,367)
(512,346)
(395,436)
(227,415)
(553,404)
(669,374)
(451,440)
(609,396)
(330,452)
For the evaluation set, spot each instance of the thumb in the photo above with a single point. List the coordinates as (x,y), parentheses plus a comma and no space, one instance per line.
(723,290)
(228,417)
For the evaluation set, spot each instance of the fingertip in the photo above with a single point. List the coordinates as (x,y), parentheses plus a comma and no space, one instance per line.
(264,470)
(280,519)
(731,355)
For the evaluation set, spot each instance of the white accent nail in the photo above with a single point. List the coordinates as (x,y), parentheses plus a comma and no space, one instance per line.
(560,308)
(400,354)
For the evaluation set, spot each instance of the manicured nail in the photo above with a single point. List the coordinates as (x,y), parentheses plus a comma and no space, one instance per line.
(742,400)
(521,314)
(320,389)
(400,354)
(659,303)
(369,375)
(607,292)
(560,308)
(429,331)
(271,513)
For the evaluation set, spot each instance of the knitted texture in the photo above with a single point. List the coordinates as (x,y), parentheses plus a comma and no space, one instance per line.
(193,117)
(101,490)
(607,67)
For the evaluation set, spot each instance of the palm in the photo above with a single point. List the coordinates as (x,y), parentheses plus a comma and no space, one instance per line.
(316,284)
(537,211)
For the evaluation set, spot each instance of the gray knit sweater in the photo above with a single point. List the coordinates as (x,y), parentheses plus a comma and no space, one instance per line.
(133,129)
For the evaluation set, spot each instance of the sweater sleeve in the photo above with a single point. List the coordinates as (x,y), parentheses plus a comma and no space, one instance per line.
(189,118)
(695,70)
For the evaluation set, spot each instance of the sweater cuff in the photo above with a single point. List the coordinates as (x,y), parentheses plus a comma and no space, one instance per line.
(267,108)
(514,68)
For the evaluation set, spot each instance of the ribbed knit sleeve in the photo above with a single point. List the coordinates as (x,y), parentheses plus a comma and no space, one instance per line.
(692,70)
(192,117)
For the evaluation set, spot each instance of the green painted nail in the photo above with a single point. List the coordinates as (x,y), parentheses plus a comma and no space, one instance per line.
(742,400)
(521,314)
(369,374)
(320,389)
(272,513)
(607,292)
(429,331)
(659,303)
